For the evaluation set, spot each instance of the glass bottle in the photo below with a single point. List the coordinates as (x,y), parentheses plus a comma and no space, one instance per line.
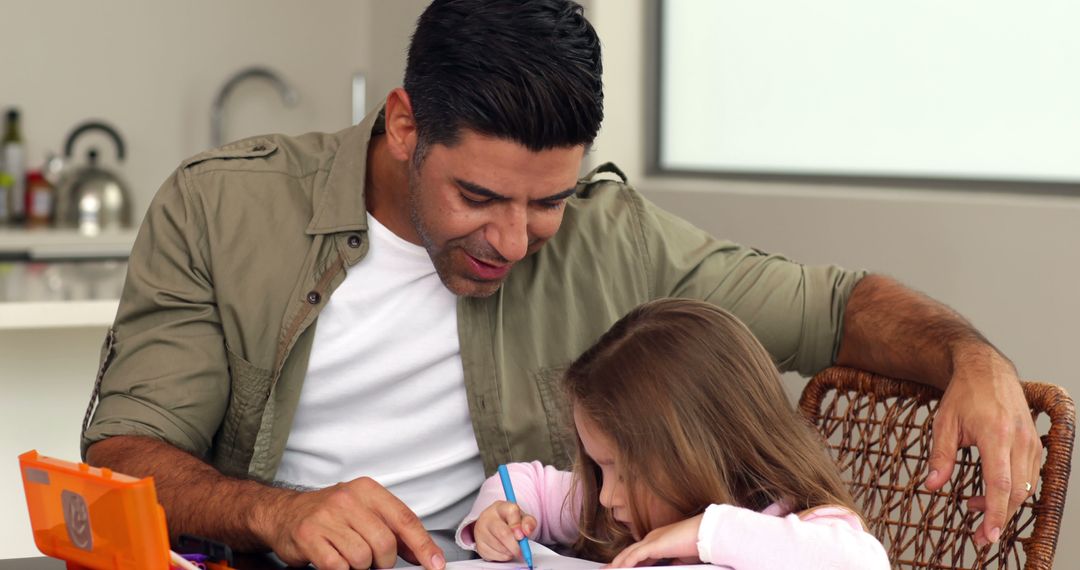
(6,182)
(15,165)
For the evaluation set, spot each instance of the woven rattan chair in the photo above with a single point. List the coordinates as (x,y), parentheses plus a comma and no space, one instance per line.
(878,430)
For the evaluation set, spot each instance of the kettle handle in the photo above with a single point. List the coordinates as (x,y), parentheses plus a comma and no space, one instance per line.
(69,146)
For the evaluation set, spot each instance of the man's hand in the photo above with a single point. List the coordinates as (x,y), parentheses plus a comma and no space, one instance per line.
(677,541)
(896,332)
(985,406)
(499,528)
(358,524)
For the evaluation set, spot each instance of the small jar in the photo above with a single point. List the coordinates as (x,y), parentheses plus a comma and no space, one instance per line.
(40,200)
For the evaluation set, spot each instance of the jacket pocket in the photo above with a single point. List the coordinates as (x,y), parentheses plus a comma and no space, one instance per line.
(557,413)
(249,390)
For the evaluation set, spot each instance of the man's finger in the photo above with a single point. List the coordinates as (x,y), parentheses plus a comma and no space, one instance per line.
(350,545)
(353,548)
(407,527)
(997,476)
(1036,458)
(1023,480)
(946,442)
(380,541)
(406,554)
(324,556)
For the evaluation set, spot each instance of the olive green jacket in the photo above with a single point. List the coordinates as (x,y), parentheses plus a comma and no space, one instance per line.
(243,245)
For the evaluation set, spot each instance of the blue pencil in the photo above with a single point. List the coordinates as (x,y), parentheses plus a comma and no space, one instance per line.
(508,489)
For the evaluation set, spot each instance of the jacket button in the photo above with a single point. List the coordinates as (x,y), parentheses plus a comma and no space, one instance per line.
(314,297)
(354,241)
(258,148)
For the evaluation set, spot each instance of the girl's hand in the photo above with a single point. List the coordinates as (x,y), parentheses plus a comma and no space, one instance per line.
(499,528)
(676,541)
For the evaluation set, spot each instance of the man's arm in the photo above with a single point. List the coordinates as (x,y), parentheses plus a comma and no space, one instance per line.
(894,331)
(357,524)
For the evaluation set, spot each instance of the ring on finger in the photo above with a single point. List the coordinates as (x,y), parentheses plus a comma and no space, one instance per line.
(1027,486)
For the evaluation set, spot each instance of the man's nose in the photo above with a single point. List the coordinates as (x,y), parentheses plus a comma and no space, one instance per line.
(509,235)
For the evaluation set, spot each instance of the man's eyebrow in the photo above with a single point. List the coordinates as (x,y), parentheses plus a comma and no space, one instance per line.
(479,190)
(493,195)
(560,196)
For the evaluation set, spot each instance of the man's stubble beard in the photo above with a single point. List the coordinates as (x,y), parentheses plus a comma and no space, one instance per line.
(441,262)
(439,258)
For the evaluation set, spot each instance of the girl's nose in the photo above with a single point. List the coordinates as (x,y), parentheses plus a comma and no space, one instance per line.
(607,494)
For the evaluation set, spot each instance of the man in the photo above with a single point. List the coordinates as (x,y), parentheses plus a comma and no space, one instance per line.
(323,337)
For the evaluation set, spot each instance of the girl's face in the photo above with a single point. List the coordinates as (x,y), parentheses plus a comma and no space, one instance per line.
(614,494)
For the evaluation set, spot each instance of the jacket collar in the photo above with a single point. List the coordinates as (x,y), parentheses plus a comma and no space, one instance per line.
(342,206)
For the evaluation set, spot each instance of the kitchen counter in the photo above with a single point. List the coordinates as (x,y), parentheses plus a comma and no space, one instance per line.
(53,243)
(60,278)
(46,295)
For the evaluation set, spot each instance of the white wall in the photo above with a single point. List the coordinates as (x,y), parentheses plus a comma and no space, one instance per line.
(391,27)
(1008,262)
(152,69)
(46,383)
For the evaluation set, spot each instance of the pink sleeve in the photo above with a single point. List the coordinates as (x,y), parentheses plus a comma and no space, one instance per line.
(541,492)
(826,537)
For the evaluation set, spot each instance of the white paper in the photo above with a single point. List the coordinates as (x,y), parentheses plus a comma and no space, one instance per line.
(546,559)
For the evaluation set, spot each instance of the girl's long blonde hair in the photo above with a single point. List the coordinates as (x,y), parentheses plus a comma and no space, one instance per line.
(695,408)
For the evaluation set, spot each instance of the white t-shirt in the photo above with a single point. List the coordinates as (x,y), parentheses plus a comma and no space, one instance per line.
(384,395)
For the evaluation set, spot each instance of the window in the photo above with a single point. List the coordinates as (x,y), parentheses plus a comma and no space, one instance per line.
(953,90)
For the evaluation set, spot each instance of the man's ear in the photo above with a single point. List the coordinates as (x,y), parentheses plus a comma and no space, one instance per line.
(400,125)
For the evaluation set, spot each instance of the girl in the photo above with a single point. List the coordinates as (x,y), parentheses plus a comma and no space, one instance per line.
(687,450)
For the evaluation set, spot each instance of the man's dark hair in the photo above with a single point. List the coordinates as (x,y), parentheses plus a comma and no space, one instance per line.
(523,70)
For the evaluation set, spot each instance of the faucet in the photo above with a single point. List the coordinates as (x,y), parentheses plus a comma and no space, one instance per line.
(217,115)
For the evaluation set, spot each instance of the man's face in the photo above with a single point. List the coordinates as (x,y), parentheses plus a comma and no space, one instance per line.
(483,204)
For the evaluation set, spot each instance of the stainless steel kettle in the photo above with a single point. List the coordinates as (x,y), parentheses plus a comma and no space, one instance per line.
(90,197)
